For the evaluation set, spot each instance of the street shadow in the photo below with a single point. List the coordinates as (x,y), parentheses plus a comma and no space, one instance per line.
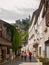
(33,59)
(13,62)
(20,61)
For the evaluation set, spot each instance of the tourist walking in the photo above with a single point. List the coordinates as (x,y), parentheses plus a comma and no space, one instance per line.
(25,56)
(22,53)
(30,55)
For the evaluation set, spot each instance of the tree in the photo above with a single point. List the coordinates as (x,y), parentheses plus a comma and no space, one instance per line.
(15,36)
(16,40)
(24,25)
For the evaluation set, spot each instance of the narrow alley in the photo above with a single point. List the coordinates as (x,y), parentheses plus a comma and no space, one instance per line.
(22,62)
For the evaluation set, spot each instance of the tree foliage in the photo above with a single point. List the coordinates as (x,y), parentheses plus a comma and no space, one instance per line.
(16,40)
(15,36)
(24,25)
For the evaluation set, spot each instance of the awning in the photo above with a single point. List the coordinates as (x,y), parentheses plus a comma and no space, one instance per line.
(5,42)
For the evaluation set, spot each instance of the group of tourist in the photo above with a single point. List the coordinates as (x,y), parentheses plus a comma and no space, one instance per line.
(24,55)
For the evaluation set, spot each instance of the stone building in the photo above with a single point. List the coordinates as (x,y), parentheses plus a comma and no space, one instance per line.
(39,30)
(5,42)
(43,47)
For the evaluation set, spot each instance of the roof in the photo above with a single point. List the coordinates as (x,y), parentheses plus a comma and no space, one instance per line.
(36,18)
(2,21)
(34,13)
(5,42)
(37,12)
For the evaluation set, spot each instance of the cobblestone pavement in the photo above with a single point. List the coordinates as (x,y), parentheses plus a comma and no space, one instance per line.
(37,63)
(22,62)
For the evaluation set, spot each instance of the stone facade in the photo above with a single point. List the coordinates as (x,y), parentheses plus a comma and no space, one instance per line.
(45,33)
(39,29)
(5,42)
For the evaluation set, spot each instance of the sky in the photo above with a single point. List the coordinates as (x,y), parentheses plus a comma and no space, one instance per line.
(11,10)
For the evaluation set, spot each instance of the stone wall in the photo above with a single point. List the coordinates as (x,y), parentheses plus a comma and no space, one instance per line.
(5,34)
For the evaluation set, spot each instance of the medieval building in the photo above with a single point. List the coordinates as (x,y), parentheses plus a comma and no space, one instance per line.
(5,41)
(38,41)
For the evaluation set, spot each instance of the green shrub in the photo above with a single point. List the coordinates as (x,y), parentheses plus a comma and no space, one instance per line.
(45,61)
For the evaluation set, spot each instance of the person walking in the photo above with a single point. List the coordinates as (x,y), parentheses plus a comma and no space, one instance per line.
(30,55)
(25,56)
(22,55)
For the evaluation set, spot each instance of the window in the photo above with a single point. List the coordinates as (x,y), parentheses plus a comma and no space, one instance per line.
(48,3)
(8,50)
(40,50)
(0,33)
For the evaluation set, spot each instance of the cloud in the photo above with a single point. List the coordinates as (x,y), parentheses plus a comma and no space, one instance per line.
(17,9)
(12,15)
(11,4)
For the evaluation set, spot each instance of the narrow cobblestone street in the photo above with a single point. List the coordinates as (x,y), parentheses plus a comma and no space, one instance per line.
(22,62)
(31,63)
(24,32)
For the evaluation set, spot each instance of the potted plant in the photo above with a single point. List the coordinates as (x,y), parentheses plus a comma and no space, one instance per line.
(40,58)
